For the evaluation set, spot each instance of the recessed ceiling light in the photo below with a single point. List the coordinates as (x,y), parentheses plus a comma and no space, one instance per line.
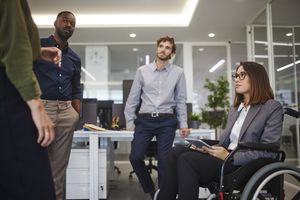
(132,35)
(201,49)
(289,34)
(211,35)
(135,49)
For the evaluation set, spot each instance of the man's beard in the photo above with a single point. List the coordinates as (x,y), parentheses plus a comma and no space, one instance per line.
(64,36)
(164,58)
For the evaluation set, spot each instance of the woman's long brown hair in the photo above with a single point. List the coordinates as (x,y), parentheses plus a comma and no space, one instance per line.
(261,90)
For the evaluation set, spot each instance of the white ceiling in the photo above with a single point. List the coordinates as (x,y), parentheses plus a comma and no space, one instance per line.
(107,6)
(226,18)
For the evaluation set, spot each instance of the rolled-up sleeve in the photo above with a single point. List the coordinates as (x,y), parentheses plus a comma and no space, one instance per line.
(180,99)
(16,47)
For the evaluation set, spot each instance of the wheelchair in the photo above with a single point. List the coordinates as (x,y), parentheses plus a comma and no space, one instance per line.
(261,179)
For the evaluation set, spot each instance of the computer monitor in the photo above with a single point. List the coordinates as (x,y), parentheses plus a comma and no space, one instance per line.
(126,90)
(89,111)
(104,113)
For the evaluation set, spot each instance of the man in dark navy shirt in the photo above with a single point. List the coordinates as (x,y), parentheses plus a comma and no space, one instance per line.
(61,95)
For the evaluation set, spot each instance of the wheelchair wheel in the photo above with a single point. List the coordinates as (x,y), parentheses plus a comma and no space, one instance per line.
(265,176)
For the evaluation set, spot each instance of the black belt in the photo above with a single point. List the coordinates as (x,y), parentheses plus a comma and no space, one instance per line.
(156,115)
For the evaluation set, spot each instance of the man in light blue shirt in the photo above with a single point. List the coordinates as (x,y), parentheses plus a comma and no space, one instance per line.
(159,89)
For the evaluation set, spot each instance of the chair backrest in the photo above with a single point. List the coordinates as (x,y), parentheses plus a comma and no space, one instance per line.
(151,149)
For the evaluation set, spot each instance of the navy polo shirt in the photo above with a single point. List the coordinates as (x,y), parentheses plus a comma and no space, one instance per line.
(59,83)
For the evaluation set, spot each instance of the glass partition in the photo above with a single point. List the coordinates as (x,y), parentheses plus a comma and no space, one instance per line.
(284,39)
(104,67)
(259,29)
(204,59)
(238,54)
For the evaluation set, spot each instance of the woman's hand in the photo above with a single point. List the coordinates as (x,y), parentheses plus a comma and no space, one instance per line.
(216,151)
(42,122)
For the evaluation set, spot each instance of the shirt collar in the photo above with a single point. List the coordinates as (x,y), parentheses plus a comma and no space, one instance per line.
(242,106)
(154,67)
(54,43)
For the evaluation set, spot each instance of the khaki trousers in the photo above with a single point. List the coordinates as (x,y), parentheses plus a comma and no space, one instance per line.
(64,118)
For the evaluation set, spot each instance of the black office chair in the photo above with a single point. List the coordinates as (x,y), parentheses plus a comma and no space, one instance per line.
(151,153)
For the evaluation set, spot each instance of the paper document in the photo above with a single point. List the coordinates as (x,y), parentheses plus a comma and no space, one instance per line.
(93,127)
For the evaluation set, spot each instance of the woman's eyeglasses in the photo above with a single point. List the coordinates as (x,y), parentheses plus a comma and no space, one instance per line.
(241,75)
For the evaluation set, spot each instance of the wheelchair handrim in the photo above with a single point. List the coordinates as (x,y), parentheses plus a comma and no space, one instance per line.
(271,176)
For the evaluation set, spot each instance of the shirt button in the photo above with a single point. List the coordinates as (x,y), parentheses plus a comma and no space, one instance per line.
(59,87)
(59,74)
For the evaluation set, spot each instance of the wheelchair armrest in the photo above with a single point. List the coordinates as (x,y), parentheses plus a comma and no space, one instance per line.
(258,146)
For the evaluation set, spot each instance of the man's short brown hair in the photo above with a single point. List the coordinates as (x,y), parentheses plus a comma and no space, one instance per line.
(169,39)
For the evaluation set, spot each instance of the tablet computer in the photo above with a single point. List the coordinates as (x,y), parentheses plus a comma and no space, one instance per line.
(198,143)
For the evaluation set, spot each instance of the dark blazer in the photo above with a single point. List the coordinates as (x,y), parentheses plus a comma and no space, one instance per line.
(263,124)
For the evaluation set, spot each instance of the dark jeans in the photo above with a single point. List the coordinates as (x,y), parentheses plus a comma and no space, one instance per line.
(188,169)
(24,165)
(145,129)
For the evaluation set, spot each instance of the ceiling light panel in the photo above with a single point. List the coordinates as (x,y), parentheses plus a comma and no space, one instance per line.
(132,35)
(181,19)
(216,66)
(211,35)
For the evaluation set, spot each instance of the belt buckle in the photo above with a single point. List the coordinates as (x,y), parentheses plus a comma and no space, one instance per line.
(154,114)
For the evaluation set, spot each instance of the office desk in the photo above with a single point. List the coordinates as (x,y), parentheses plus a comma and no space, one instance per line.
(99,162)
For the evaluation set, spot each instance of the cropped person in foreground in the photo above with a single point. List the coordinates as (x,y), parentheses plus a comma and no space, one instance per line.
(25,126)
(254,117)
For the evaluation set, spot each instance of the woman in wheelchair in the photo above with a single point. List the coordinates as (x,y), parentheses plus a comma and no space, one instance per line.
(254,117)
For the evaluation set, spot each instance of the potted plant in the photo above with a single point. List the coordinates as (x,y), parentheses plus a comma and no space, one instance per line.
(195,120)
(215,111)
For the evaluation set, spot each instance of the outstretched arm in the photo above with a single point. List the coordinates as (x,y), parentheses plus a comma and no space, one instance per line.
(51,54)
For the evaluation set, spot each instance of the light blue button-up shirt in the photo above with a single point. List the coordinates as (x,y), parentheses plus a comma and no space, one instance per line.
(161,91)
